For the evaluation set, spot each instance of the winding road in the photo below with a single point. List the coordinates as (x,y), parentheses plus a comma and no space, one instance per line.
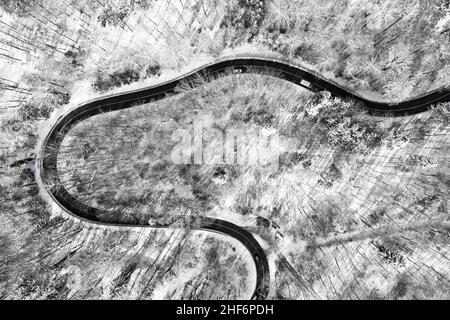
(47,158)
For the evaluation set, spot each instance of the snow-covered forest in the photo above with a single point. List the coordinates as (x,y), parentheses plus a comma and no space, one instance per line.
(362,202)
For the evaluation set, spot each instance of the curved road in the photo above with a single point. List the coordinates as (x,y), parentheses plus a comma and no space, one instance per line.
(47,159)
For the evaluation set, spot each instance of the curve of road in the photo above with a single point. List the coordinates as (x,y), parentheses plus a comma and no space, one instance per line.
(47,158)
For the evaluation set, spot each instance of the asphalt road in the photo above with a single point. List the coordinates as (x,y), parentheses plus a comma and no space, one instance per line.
(47,159)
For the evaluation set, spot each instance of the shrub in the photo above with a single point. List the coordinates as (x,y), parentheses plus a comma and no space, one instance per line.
(261,117)
(442,112)
(104,82)
(337,121)
(153,70)
(76,57)
(291,158)
(401,287)
(248,14)
(109,16)
(142,4)
(279,15)
(253,13)
(19,7)
(391,250)
(331,175)
(126,75)
(414,161)
(377,215)
(41,106)
(390,255)
(349,135)
(324,221)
